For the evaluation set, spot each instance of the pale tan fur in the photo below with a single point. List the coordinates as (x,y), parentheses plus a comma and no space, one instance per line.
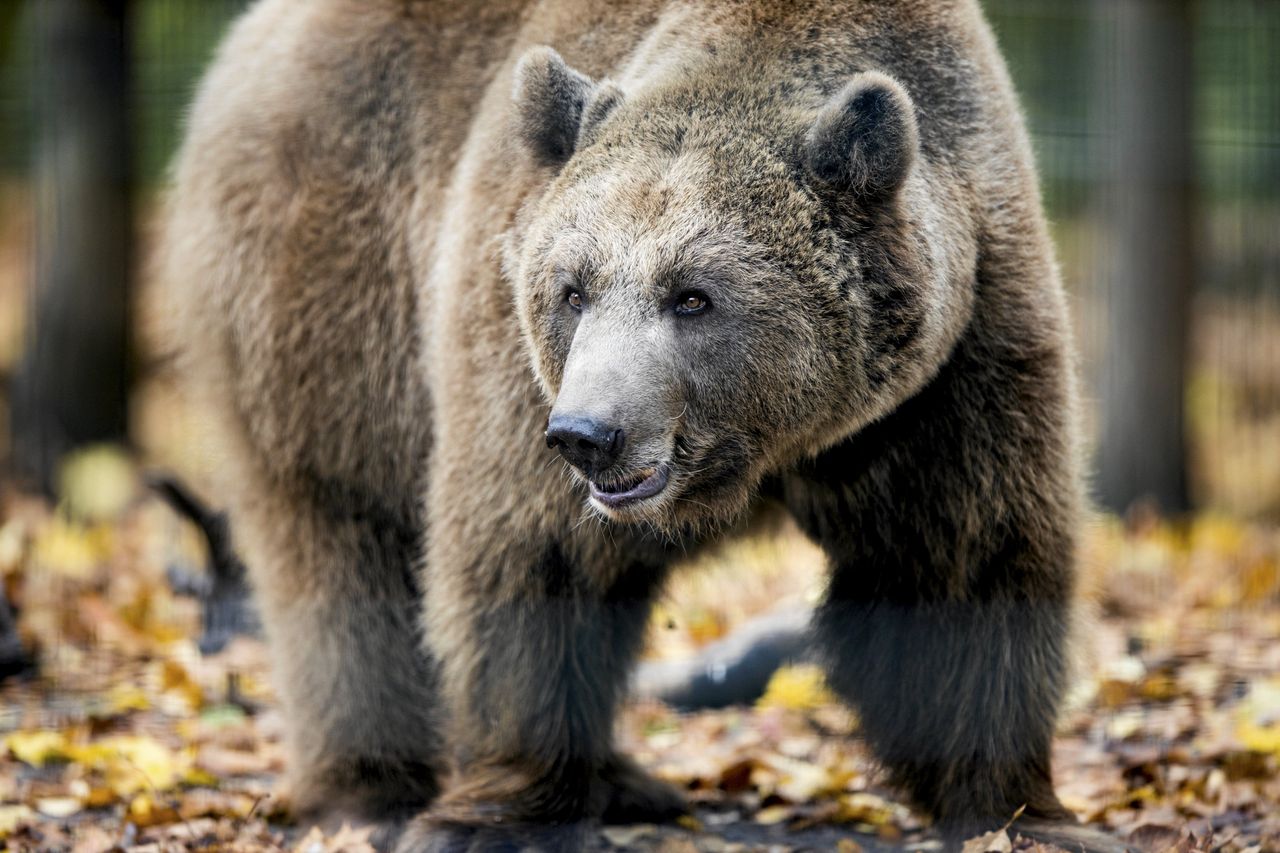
(363,242)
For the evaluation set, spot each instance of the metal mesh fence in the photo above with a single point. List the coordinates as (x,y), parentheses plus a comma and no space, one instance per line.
(172,42)
(1062,54)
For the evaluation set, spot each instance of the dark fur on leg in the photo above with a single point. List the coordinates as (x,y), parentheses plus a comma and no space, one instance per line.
(534,675)
(425,835)
(957,700)
(950,527)
(633,796)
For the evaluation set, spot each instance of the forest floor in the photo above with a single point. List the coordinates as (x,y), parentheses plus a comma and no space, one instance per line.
(128,739)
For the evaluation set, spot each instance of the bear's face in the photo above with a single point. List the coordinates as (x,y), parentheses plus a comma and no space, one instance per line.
(695,293)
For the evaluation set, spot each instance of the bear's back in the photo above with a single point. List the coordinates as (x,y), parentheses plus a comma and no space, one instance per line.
(311,189)
(306,191)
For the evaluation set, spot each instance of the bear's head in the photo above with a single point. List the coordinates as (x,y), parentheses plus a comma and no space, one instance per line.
(722,277)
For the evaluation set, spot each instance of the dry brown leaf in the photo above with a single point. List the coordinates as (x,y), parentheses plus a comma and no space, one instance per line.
(992,842)
(345,840)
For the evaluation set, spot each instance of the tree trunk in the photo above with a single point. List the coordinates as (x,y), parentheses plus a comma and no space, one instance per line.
(1151,258)
(71,387)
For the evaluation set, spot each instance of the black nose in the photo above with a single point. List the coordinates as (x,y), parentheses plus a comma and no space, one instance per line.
(587,444)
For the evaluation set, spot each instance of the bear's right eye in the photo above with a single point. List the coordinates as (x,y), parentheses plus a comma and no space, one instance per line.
(575,300)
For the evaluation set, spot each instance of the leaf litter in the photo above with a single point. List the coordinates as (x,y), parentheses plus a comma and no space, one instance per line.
(128,739)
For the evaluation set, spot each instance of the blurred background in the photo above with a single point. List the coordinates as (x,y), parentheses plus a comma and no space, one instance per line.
(1156,126)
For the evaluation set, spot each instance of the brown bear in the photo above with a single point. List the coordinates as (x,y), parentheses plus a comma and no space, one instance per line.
(492,336)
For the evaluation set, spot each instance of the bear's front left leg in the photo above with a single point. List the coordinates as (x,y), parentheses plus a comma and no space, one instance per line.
(950,528)
(535,634)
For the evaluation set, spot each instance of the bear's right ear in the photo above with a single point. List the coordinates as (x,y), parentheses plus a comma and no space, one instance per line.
(557,106)
(864,140)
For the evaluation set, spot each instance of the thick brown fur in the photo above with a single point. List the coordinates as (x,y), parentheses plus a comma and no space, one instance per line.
(373,243)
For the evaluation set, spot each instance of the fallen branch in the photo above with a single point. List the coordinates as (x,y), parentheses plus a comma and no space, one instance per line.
(14,657)
(732,671)
(223,589)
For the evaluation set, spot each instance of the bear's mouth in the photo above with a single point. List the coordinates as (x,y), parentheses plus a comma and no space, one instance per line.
(634,488)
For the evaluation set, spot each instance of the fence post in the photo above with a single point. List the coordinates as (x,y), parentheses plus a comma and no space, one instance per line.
(71,386)
(1150,265)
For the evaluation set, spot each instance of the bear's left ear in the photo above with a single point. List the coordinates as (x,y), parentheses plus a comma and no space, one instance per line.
(864,140)
(557,106)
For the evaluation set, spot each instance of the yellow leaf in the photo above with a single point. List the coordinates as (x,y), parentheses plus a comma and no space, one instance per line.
(175,680)
(1125,724)
(127,697)
(770,815)
(145,810)
(67,549)
(97,483)
(1256,738)
(1113,693)
(1261,581)
(13,817)
(37,748)
(1145,794)
(800,781)
(705,626)
(1258,719)
(689,822)
(200,777)
(799,688)
(1160,687)
(1217,533)
(864,808)
(133,763)
(99,796)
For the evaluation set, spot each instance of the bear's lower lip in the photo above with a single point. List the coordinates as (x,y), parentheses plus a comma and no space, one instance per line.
(631,491)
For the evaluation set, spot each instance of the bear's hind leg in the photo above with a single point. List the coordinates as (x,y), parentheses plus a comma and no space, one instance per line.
(340,611)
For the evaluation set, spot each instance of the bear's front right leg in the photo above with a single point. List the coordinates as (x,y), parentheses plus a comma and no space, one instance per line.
(535,620)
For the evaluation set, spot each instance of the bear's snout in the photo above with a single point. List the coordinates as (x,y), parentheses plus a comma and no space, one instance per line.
(587,444)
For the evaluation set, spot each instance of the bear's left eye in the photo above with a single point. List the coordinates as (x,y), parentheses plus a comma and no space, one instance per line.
(692,302)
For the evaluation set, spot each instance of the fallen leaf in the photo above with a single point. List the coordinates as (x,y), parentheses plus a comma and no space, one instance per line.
(132,763)
(97,483)
(865,808)
(12,817)
(628,836)
(37,748)
(58,807)
(689,822)
(145,810)
(799,688)
(345,840)
(1153,836)
(771,815)
(992,842)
